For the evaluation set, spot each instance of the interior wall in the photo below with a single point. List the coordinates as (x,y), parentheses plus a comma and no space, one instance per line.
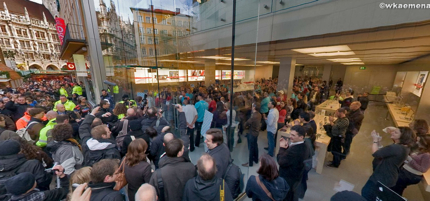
(364,80)
(263,72)
(275,72)
(336,73)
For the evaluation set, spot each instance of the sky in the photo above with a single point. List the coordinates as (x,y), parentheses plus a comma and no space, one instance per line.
(37,1)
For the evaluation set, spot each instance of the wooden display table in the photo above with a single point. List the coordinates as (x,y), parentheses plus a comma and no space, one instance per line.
(327,108)
(399,119)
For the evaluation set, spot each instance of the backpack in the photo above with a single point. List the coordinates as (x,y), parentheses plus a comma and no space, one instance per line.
(92,157)
(23,133)
(234,178)
(121,135)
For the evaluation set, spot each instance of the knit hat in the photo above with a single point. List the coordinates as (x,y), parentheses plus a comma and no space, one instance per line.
(134,125)
(347,195)
(20,184)
(9,147)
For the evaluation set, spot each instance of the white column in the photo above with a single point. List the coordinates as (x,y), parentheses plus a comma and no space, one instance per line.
(326,72)
(210,72)
(287,69)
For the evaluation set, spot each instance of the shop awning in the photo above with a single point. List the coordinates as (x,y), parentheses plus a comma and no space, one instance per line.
(4,80)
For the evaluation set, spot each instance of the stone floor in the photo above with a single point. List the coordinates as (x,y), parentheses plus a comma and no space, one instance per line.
(355,169)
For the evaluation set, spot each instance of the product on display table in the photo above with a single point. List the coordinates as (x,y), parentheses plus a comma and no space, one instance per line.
(327,108)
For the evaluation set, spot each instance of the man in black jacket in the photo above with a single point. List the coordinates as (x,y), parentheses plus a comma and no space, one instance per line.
(18,109)
(11,163)
(291,155)
(364,100)
(339,128)
(96,142)
(254,124)
(218,150)
(206,185)
(174,172)
(103,181)
(4,110)
(355,117)
(136,132)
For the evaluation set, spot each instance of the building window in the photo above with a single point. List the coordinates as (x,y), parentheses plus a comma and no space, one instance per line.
(47,56)
(55,37)
(166,51)
(179,23)
(7,42)
(19,32)
(151,52)
(148,31)
(185,24)
(140,18)
(163,32)
(156,31)
(173,22)
(142,39)
(155,20)
(148,19)
(22,44)
(3,29)
(179,33)
(27,44)
(143,51)
(149,40)
(174,33)
(45,46)
(141,30)
(156,41)
(174,42)
(164,22)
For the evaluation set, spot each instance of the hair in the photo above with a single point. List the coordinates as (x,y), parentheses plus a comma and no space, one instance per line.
(102,169)
(151,132)
(35,111)
(61,118)
(104,102)
(257,106)
(146,192)
(206,174)
(421,127)
(273,103)
(305,116)
(80,176)
(217,136)
(136,152)
(299,129)
(341,110)
(63,96)
(98,131)
(311,114)
(62,132)
(173,147)
(96,122)
(139,98)
(30,151)
(219,107)
(120,109)
(268,168)
(407,137)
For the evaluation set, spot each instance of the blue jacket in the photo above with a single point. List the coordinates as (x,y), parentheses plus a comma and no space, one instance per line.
(111,100)
(278,188)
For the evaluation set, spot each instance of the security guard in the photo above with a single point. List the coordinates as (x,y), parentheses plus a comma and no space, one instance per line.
(77,89)
(68,104)
(128,103)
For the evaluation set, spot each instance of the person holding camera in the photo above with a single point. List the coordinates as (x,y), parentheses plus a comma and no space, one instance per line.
(338,131)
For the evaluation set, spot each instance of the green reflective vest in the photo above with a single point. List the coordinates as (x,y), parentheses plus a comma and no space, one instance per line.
(69,105)
(116,89)
(43,137)
(77,90)
(64,92)
(133,103)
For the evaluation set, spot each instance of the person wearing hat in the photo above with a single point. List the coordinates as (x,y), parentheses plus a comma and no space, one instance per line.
(127,102)
(11,161)
(22,187)
(106,95)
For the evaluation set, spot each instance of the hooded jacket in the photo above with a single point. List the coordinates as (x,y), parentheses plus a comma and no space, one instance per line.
(66,154)
(198,189)
(175,173)
(278,188)
(221,155)
(104,192)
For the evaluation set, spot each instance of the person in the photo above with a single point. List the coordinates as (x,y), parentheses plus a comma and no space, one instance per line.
(212,104)
(4,110)
(146,192)
(23,186)
(106,96)
(364,100)
(292,153)
(96,140)
(420,127)
(312,121)
(346,102)
(339,128)
(81,176)
(201,107)
(127,102)
(310,138)
(191,117)
(174,172)
(136,168)
(416,164)
(272,126)
(43,137)
(230,132)
(12,161)
(254,124)
(268,176)
(65,149)
(68,104)
(219,117)
(18,109)
(77,89)
(339,85)
(158,143)
(355,117)
(135,132)
(207,185)
(63,91)
(36,123)
(105,113)
(218,150)
(388,160)
(315,98)
(103,179)
(83,107)
(120,110)
(347,195)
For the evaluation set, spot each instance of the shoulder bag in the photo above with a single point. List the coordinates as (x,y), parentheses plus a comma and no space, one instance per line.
(257,177)
(120,180)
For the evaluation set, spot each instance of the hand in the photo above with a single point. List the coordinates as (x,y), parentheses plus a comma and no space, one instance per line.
(95,110)
(179,107)
(60,171)
(80,195)
(283,143)
(331,119)
(165,129)
(375,136)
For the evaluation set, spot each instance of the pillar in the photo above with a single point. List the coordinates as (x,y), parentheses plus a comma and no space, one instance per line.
(287,69)
(326,73)
(210,72)
(423,109)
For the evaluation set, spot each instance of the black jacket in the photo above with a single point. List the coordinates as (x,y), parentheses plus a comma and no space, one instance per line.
(49,195)
(104,192)
(198,189)
(175,173)
(221,155)
(136,134)
(364,100)
(19,164)
(16,109)
(355,120)
(277,187)
(136,176)
(290,162)
(6,112)
(111,119)
(156,149)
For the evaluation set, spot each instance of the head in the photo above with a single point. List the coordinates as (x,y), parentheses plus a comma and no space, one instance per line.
(423,144)
(206,167)
(186,101)
(403,136)
(268,168)
(175,148)
(151,132)
(255,107)
(200,97)
(355,105)
(105,104)
(60,108)
(80,176)
(21,100)
(167,138)
(304,117)
(125,97)
(272,104)
(62,132)
(420,126)
(51,115)
(119,109)
(104,92)
(214,138)
(82,100)
(136,152)
(37,113)
(62,119)
(63,98)
(104,171)
(131,112)
(297,134)
(341,113)
(100,132)
(21,184)
(146,192)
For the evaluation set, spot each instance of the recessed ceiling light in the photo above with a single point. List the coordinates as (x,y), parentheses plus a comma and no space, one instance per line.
(353,63)
(331,54)
(345,59)
(317,50)
(268,62)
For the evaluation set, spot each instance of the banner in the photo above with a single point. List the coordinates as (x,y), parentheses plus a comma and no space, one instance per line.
(60,25)
(71,66)
(79,61)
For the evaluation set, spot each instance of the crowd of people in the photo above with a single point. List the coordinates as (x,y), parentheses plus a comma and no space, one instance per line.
(138,149)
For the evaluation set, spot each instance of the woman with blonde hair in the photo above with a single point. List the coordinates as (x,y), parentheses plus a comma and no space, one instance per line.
(137,169)
(80,176)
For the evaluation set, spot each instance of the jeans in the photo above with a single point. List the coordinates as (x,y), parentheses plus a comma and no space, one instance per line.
(348,142)
(198,135)
(303,186)
(369,190)
(405,179)
(253,149)
(271,140)
(336,150)
(183,135)
(190,133)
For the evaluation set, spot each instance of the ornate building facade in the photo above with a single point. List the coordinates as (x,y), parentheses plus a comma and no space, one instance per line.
(28,37)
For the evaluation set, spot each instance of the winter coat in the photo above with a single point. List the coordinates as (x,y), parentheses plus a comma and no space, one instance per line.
(105,192)
(290,162)
(137,134)
(49,195)
(221,155)
(67,155)
(136,176)
(16,109)
(198,189)
(277,187)
(175,173)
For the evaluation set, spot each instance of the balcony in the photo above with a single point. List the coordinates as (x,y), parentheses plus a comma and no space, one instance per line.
(74,41)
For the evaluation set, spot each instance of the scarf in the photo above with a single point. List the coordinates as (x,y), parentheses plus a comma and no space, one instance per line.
(73,141)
